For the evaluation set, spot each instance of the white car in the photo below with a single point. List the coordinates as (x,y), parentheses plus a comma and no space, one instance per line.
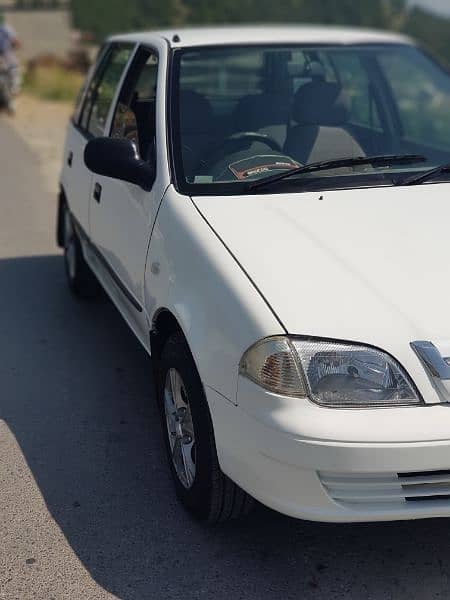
(269,210)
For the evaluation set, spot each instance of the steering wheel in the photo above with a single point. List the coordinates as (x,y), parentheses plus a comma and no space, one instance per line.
(249,137)
(238,141)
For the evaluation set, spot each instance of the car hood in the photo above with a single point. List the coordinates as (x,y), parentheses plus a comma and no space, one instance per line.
(369,265)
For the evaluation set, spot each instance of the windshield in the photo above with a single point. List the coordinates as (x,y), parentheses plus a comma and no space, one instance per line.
(241,114)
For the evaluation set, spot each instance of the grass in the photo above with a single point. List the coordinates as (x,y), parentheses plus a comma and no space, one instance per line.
(53,83)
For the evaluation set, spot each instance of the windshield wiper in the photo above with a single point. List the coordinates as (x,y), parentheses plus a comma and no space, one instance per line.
(387,160)
(424,177)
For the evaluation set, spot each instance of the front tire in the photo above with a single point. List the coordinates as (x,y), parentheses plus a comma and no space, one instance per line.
(189,437)
(80,278)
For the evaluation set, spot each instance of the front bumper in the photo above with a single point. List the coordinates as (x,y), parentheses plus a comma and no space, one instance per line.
(335,465)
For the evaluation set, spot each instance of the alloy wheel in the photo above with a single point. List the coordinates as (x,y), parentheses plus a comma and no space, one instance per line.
(180,428)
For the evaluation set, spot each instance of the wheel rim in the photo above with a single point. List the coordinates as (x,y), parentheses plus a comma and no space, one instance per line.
(69,246)
(180,428)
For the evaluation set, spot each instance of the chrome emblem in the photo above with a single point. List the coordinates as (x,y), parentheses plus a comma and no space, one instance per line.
(437,365)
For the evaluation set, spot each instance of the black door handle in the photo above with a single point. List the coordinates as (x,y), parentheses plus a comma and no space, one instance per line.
(97,192)
(70,159)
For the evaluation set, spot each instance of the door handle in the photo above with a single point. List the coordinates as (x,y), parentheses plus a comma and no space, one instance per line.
(97,192)
(70,159)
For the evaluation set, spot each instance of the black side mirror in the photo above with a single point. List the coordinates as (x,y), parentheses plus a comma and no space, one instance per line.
(117,158)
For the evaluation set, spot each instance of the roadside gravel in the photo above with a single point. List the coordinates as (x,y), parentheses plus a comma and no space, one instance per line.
(42,125)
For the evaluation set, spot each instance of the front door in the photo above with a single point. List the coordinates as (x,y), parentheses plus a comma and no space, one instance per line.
(122,214)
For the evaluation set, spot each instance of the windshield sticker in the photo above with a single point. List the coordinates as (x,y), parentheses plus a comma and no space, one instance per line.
(203,179)
(255,166)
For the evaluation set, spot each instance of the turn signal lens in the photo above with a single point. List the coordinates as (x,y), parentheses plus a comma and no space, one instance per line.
(271,364)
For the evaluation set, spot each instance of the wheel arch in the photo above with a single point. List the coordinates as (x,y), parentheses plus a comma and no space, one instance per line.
(164,324)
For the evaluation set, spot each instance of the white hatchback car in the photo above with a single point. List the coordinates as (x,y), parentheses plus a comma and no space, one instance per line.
(267,207)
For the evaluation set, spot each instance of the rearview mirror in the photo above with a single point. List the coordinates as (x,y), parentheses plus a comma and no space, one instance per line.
(118,158)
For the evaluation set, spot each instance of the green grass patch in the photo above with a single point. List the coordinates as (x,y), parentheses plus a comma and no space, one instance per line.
(53,83)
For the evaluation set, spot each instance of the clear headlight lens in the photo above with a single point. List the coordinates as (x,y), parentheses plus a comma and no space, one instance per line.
(329,373)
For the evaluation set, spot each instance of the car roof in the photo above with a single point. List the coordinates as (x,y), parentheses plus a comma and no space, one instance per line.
(221,36)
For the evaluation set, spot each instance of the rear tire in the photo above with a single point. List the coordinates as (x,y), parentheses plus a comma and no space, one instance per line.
(187,427)
(80,278)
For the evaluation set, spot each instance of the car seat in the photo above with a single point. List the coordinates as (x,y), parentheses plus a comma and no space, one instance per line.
(321,111)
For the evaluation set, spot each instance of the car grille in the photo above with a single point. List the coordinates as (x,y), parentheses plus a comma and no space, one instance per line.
(363,488)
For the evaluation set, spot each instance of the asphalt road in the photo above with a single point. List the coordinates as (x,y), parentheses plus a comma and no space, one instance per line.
(87,509)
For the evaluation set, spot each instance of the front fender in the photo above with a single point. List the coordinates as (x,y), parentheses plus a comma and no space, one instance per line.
(191,273)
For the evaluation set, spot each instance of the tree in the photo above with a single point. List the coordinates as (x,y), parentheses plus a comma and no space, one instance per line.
(102,17)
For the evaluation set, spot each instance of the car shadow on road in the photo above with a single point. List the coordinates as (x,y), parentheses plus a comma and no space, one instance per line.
(77,395)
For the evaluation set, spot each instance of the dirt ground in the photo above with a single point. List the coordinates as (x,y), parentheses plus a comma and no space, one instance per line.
(42,125)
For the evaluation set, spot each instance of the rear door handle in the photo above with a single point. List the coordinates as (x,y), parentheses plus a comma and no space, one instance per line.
(97,192)
(70,159)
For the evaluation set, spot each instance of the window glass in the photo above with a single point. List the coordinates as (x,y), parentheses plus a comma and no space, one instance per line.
(422,95)
(102,89)
(90,94)
(146,84)
(228,93)
(78,105)
(301,67)
(135,116)
(243,113)
(238,73)
(354,79)
(89,77)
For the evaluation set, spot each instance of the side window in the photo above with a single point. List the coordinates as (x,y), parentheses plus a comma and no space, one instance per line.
(102,89)
(89,77)
(135,116)
(355,81)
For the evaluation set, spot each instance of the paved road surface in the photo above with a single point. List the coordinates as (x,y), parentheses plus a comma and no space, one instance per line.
(87,509)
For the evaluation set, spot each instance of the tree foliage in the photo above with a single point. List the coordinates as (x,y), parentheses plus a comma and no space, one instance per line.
(102,17)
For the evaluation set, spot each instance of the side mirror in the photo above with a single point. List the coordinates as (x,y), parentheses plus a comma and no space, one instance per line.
(117,158)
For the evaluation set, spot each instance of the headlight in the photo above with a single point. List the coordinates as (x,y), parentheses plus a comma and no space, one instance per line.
(329,373)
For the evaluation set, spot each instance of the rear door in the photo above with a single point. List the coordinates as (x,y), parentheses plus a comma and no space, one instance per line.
(89,121)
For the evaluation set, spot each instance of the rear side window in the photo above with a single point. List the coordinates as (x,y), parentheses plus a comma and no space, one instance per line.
(102,89)
(89,77)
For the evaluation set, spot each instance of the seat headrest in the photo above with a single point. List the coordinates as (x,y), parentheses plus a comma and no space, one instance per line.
(321,103)
(261,110)
(315,70)
(196,114)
